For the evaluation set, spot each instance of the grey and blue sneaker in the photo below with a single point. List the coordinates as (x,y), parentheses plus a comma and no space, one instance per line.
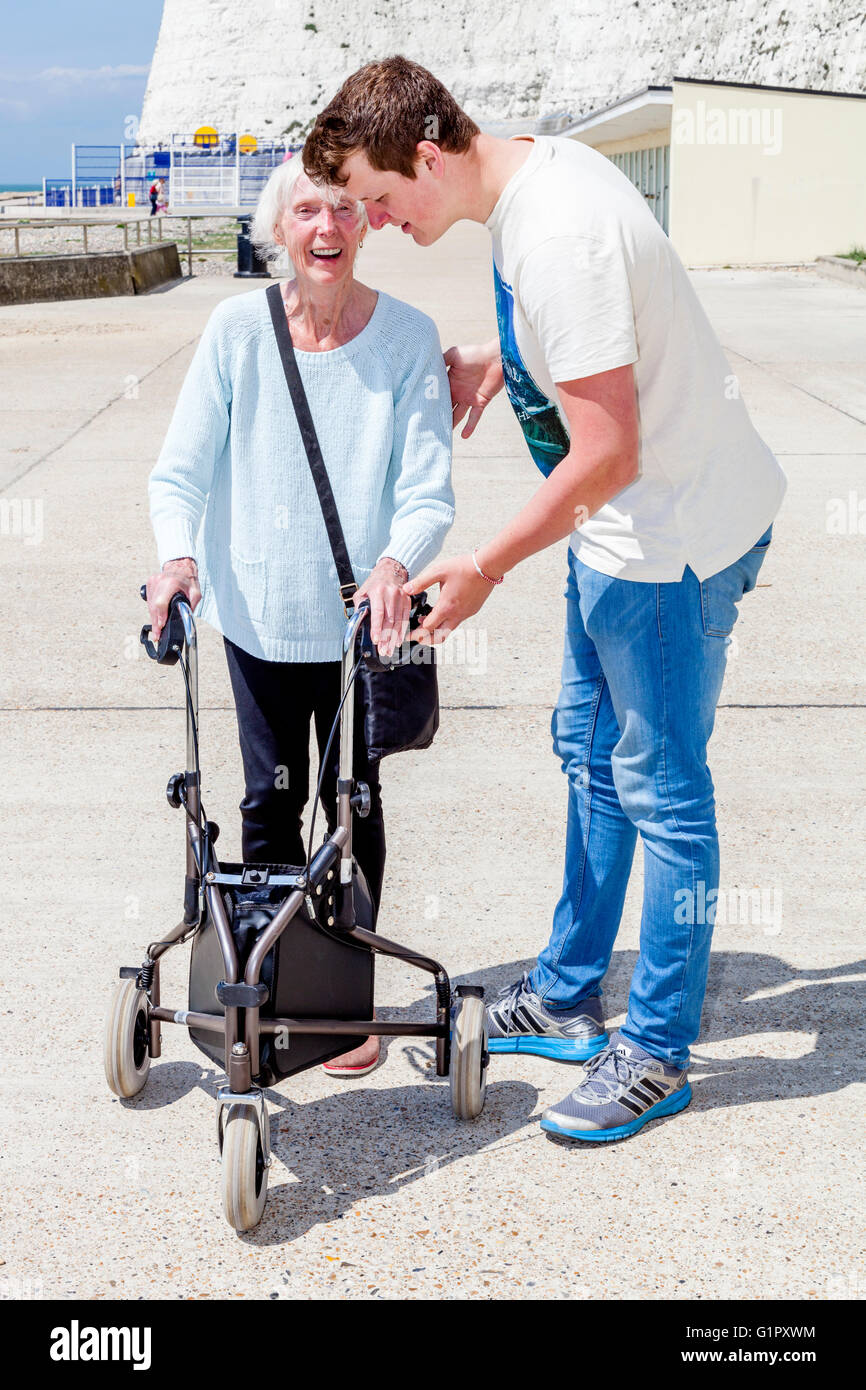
(518,1021)
(622,1088)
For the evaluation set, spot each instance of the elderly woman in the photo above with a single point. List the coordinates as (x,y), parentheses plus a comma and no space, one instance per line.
(237,518)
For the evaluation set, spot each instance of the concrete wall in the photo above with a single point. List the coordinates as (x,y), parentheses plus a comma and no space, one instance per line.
(154,265)
(34,279)
(765,177)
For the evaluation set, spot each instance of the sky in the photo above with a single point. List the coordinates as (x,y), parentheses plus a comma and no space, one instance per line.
(69,72)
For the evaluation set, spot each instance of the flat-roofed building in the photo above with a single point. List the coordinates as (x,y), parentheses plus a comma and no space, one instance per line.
(739,174)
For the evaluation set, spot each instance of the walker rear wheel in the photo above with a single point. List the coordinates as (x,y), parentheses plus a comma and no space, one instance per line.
(468,1069)
(245,1176)
(125,1040)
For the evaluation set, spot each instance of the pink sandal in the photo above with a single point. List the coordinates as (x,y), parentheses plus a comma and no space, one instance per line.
(344,1066)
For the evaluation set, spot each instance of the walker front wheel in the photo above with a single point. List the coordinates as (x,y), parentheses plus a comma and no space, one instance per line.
(245,1174)
(468,1070)
(125,1042)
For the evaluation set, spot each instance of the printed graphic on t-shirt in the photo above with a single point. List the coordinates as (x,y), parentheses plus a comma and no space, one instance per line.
(539,418)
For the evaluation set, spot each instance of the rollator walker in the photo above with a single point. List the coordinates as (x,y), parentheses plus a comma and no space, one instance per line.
(281,963)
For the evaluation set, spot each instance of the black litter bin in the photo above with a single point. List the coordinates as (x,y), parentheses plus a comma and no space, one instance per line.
(250,264)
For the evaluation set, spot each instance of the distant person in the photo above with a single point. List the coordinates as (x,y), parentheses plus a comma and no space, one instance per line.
(668,493)
(154,198)
(237,518)
(161,196)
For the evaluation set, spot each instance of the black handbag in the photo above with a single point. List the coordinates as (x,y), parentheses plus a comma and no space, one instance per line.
(401,697)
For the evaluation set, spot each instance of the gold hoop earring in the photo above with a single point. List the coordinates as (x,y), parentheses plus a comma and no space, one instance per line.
(361,244)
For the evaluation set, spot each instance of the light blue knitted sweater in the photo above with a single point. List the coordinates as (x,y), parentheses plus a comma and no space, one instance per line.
(232,486)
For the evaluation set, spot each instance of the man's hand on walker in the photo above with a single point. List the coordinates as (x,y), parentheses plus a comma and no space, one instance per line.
(175,575)
(474,375)
(389,604)
(462,591)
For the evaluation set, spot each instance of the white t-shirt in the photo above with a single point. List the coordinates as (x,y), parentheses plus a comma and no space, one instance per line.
(586,280)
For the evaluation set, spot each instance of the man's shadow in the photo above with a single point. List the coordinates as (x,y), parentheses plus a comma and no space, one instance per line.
(820,1010)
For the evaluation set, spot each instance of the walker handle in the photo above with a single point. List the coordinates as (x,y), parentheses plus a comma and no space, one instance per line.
(172,638)
(419,610)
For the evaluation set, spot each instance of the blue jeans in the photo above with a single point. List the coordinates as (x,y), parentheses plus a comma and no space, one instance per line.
(641,677)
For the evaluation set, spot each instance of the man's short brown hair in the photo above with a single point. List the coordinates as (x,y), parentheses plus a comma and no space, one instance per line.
(384,110)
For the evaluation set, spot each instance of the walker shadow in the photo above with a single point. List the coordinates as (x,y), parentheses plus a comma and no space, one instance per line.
(376,1142)
(356,1143)
(381,1140)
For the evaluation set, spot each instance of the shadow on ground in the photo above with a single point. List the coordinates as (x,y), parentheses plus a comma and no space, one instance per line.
(360,1142)
(751,994)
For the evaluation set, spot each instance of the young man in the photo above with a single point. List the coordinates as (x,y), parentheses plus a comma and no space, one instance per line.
(667,492)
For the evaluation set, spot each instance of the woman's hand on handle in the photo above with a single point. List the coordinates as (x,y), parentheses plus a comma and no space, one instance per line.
(475,376)
(389,604)
(175,576)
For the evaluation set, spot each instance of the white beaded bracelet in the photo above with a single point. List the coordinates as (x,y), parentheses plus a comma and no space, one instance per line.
(494,582)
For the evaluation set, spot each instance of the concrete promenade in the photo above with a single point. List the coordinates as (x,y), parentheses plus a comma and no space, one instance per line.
(756,1191)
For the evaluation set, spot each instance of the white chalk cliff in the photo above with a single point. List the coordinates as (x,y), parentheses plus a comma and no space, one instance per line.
(267,67)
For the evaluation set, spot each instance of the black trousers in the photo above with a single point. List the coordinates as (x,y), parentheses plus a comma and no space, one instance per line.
(275,701)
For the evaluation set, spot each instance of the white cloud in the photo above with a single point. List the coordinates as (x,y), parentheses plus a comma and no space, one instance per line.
(106,73)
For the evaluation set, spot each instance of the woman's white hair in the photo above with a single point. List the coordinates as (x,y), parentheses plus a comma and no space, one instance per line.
(275,198)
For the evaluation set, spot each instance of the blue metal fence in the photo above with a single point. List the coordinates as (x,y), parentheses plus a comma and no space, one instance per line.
(58,193)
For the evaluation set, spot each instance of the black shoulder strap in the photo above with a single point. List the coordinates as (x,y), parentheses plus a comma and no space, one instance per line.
(339,549)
